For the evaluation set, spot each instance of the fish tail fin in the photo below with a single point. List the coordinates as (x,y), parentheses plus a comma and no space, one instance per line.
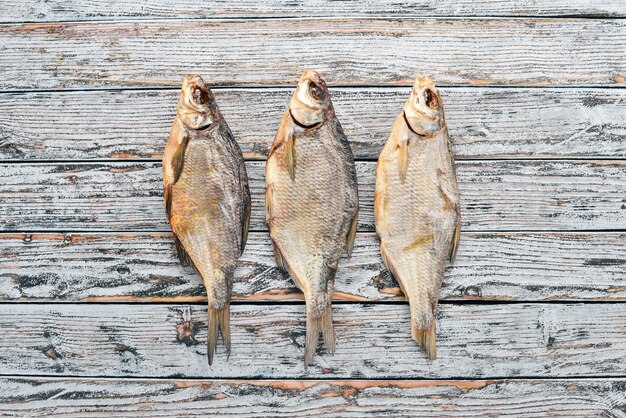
(314,326)
(426,339)
(424,324)
(219,321)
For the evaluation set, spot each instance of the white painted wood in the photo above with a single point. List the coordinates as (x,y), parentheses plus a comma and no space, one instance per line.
(539,52)
(373,341)
(64,397)
(483,122)
(151,43)
(58,10)
(144,268)
(495,196)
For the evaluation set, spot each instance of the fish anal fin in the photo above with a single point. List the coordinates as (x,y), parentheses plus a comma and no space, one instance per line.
(389,265)
(426,339)
(280,260)
(219,322)
(290,154)
(352,234)
(184,258)
(314,326)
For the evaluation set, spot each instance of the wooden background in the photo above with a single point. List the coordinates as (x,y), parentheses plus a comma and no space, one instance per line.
(97,316)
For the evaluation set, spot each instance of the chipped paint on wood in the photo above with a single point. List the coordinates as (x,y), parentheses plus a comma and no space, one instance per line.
(144,268)
(496,195)
(510,123)
(373,341)
(63,10)
(271,52)
(52,397)
(477,60)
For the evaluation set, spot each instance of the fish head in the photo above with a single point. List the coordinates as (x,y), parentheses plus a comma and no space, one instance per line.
(310,104)
(423,109)
(196,106)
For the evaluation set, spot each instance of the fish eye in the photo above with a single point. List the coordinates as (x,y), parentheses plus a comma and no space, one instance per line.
(431,99)
(315,91)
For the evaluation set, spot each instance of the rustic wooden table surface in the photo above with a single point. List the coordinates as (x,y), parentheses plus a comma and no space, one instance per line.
(97,316)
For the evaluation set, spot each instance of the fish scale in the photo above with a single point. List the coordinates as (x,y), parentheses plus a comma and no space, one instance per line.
(311,202)
(416,206)
(207,200)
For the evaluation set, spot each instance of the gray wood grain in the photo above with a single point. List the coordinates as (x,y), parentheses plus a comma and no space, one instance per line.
(144,268)
(520,52)
(483,122)
(57,10)
(61,397)
(373,341)
(495,196)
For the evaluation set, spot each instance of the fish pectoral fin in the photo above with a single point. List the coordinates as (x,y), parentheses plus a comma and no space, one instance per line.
(219,321)
(314,326)
(290,154)
(167,196)
(352,234)
(173,159)
(184,258)
(402,157)
(455,238)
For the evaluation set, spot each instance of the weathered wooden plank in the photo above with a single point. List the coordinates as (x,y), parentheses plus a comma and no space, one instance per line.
(144,268)
(57,10)
(483,122)
(61,397)
(373,341)
(496,196)
(346,51)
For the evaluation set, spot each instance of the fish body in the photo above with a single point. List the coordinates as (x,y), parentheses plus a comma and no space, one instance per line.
(416,206)
(207,199)
(311,202)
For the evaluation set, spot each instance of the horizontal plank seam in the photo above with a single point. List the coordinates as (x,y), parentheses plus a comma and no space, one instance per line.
(367,160)
(386,302)
(593,377)
(309,379)
(361,231)
(156,161)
